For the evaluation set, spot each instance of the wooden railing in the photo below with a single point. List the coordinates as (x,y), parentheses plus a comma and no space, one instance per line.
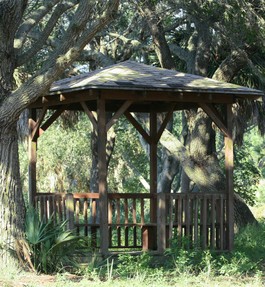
(196,220)
(130,220)
(201,219)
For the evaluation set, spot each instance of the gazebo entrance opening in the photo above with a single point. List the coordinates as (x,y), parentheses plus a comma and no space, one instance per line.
(137,220)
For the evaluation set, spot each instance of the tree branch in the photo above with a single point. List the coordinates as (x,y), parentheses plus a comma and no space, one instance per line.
(100,59)
(42,38)
(147,10)
(32,21)
(231,66)
(75,39)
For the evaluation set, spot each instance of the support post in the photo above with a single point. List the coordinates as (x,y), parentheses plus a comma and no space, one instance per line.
(229,168)
(153,176)
(153,152)
(102,176)
(32,155)
(161,222)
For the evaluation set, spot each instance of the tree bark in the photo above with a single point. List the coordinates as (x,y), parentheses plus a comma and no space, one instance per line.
(12,208)
(204,174)
(13,102)
(237,60)
(243,215)
(147,10)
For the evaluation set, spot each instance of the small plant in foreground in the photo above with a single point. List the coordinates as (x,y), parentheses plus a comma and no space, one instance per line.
(50,246)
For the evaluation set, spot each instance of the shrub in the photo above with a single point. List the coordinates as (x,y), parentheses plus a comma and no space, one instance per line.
(50,246)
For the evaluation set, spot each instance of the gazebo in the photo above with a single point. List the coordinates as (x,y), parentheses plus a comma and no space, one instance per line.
(139,220)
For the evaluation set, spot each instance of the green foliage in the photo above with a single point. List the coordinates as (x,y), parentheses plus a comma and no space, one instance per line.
(64,158)
(242,267)
(246,175)
(131,266)
(248,256)
(246,259)
(51,246)
(249,166)
(190,261)
(128,162)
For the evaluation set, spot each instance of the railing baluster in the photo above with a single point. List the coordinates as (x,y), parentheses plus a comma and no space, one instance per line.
(60,208)
(187,217)
(204,222)
(110,202)
(180,216)
(134,221)
(142,211)
(94,211)
(126,221)
(85,211)
(69,210)
(45,208)
(77,210)
(213,219)
(221,222)
(118,221)
(134,210)
(169,199)
(54,207)
(196,203)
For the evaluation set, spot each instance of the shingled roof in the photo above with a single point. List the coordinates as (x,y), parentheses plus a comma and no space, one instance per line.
(146,87)
(131,75)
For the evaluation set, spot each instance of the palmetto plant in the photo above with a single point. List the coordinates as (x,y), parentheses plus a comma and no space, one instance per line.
(50,246)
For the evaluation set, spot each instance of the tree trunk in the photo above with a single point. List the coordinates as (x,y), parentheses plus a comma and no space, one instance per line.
(12,208)
(147,10)
(207,177)
(170,167)
(243,215)
(202,173)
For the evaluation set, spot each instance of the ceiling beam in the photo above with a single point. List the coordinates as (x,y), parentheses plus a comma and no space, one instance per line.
(117,115)
(53,117)
(138,127)
(165,122)
(36,130)
(90,115)
(213,113)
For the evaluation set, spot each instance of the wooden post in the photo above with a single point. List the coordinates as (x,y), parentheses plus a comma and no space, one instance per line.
(153,177)
(69,206)
(102,177)
(161,223)
(153,152)
(229,167)
(32,154)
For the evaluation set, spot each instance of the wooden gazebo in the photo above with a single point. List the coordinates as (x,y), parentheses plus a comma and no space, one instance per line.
(137,220)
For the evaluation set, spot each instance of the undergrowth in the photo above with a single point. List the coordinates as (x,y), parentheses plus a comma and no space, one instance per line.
(180,267)
(247,259)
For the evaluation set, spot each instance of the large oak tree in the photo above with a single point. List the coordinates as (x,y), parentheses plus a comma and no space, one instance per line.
(27,30)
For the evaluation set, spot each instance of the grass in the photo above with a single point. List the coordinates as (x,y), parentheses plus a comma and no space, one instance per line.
(141,281)
(245,266)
